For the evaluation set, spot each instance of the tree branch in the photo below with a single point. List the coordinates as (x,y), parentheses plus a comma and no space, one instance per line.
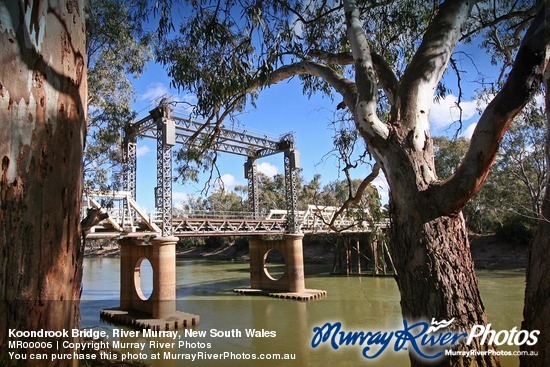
(308,21)
(353,199)
(526,75)
(429,63)
(386,77)
(342,85)
(529,14)
(366,117)
(460,95)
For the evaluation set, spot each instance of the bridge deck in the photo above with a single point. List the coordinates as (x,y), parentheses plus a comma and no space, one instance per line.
(130,220)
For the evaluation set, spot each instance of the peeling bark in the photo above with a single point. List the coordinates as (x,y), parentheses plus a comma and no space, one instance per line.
(42,113)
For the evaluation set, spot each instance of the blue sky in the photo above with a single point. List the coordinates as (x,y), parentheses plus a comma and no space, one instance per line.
(282,108)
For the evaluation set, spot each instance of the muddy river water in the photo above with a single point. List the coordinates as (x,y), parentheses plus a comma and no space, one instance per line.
(234,327)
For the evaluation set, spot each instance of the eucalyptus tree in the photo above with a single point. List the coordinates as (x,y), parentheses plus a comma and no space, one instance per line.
(480,212)
(43,108)
(117,49)
(394,52)
(224,201)
(514,189)
(524,160)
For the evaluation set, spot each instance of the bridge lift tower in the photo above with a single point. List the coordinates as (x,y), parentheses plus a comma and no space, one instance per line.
(169,130)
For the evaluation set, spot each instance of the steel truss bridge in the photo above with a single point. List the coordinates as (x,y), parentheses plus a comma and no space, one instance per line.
(127,218)
(135,222)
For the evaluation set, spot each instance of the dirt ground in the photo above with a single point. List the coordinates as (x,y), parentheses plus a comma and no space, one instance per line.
(490,252)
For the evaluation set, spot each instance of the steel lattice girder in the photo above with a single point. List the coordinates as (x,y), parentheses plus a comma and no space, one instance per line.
(251,173)
(291,164)
(214,227)
(129,172)
(170,130)
(195,133)
(163,194)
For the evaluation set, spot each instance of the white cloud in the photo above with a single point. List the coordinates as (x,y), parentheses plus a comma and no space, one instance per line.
(142,150)
(177,195)
(446,111)
(185,103)
(469,131)
(179,199)
(268,169)
(229,182)
(297,26)
(154,91)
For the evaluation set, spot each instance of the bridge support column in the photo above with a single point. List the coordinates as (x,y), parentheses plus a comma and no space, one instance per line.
(292,283)
(159,310)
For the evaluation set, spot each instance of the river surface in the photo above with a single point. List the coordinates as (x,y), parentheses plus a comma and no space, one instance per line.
(206,288)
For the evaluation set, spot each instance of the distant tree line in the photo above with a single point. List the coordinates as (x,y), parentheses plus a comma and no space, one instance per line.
(509,203)
(271,192)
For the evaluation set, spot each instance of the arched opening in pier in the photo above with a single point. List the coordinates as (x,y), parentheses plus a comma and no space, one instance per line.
(143,278)
(274,264)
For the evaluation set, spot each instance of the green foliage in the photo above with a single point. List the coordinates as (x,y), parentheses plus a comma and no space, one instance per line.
(187,242)
(222,48)
(224,201)
(448,154)
(271,192)
(497,38)
(511,198)
(517,230)
(117,50)
(191,162)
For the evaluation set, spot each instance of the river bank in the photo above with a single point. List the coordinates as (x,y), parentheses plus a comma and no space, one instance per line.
(488,252)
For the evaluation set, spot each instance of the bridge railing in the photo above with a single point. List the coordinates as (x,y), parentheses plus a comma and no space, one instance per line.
(126,216)
(211,214)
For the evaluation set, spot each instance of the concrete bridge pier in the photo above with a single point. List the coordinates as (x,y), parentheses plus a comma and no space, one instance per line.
(292,283)
(158,311)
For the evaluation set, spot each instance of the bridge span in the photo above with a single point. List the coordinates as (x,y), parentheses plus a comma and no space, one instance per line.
(127,219)
(116,215)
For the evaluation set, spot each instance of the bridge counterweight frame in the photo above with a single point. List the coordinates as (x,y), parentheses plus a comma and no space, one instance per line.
(251,174)
(170,130)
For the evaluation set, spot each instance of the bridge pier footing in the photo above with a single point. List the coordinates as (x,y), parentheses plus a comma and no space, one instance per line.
(292,283)
(158,311)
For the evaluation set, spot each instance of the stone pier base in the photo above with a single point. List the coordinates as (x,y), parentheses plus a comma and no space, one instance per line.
(292,284)
(140,320)
(158,310)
